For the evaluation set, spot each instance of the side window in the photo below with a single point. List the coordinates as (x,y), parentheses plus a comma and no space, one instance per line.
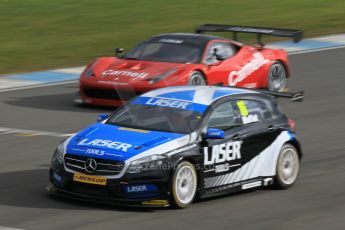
(253,111)
(223,117)
(225,50)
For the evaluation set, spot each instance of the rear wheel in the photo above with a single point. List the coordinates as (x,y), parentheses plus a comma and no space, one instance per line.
(196,78)
(184,185)
(287,168)
(277,77)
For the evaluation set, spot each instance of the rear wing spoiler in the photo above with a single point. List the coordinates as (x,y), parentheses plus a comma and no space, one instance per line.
(296,35)
(295,97)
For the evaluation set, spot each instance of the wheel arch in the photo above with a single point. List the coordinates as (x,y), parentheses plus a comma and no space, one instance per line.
(298,147)
(265,80)
(197,191)
(201,71)
(286,66)
(198,168)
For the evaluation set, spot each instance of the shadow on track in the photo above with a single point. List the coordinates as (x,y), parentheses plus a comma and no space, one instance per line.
(27,189)
(58,102)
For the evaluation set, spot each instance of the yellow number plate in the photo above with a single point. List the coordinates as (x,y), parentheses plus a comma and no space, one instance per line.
(99,180)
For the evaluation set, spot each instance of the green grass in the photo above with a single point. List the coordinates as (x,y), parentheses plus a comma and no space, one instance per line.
(43,34)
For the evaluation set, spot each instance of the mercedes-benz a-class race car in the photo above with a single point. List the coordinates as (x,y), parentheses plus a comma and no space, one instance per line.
(187,59)
(173,145)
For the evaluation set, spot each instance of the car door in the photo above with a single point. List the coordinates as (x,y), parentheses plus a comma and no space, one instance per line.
(257,133)
(252,70)
(247,134)
(218,70)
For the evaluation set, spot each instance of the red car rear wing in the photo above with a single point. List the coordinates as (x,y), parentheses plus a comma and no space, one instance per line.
(297,35)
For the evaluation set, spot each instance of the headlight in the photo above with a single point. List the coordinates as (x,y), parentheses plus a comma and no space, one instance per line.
(58,155)
(89,70)
(148,163)
(162,76)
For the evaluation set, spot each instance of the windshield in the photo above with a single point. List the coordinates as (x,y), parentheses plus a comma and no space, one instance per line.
(165,52)
(156,118)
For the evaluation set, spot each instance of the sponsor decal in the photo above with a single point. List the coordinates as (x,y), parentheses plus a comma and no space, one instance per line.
(249,68)
(261,165)
(252,185)
(126,73)
(249,29)
(224,167)
(106,143)
(88,179)
(222,153)
(140,188)
(95,152)
(167,103)
(134,130)
(250,85)
(172,103)
(156,202)
(113,82)
(171,40)
(250,118)
(245,116)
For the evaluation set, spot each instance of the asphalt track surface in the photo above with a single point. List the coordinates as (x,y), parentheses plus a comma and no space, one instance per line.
(317,201)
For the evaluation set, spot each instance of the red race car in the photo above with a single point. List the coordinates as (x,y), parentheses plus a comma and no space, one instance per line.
(187,59)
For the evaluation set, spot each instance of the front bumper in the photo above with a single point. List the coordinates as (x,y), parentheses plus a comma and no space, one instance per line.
(106,97)
(116,192)
(98,94)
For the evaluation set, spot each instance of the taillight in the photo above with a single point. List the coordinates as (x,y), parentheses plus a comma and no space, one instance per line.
(292,124)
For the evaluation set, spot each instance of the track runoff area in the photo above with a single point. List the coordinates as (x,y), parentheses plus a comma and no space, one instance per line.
(35,119)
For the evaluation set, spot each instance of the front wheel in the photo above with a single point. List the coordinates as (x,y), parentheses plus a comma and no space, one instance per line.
(277,77)
(288,166)
(184,185)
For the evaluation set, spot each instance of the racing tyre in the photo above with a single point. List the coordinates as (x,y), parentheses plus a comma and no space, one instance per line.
(287,169)
(196,78)
(277,77)
(184,185)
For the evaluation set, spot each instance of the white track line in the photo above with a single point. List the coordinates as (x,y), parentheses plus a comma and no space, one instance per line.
(316,50)
(38,86)
(27,132)
(9,228)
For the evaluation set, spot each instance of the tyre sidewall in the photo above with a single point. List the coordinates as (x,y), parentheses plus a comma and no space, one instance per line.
(279,183)
(193,75)
(175,202)
(268,76)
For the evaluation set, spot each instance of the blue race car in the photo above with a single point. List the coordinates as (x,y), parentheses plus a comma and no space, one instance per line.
(173,145)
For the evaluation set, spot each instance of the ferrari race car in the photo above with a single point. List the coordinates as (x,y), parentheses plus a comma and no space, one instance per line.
(173,145)
(187,59)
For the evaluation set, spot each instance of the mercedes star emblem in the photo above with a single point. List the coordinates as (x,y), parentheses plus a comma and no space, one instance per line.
(90,165)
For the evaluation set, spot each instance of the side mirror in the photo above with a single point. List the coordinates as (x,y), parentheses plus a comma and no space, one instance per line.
(118,51)
(102,117)
(213,133)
